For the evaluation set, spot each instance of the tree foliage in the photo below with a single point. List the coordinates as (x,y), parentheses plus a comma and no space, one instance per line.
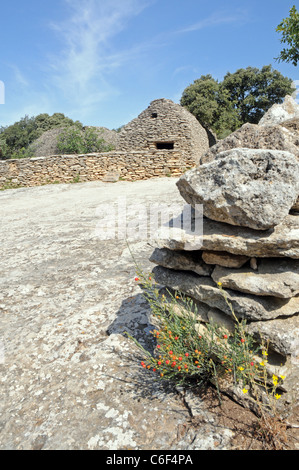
(15,139)
(289,28)
(243,96)
(74,140)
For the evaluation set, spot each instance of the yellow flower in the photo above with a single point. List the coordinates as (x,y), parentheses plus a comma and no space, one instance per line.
(245,390)
(241,368)
(264,353)
(219,284)
(262,363)
(277,396)
(275,379)
(282,377)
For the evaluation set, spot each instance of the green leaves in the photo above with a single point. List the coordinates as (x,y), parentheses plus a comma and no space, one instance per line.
(243,96)
(74,140)
(21,134)
(289,28)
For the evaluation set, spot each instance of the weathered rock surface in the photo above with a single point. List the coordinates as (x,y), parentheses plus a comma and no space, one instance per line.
(253,136)
(244,187)
(70,378)
(181,261)
(278,113)
(274,277)
(281,241)
(282,334)
(224,259)
(245,305)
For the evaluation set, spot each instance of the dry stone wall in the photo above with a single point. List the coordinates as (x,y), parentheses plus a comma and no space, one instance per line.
(108,166)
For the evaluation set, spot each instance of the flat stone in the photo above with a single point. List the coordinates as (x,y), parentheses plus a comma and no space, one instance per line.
(276,277)
(244,305)
(281,241)
(223,258)
(253,188)
(186,261)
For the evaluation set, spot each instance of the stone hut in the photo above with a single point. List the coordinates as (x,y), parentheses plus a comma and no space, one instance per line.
(165,125)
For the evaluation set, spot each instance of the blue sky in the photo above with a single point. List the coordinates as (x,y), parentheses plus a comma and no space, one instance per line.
(103,61)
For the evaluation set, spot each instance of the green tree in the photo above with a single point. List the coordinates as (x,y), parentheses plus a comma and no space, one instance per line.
(21,134)
(243,96)
(289,28)
(209,103)
(74,140)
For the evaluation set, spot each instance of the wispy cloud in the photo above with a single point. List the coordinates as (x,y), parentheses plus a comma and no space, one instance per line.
(81,69)
(213,20)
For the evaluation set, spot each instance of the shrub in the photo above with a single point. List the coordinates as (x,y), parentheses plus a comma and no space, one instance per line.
(75,140)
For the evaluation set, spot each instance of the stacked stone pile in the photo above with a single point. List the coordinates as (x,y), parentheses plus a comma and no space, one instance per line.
(250,243)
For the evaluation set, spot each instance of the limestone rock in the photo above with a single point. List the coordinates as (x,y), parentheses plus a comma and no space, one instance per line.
(254,136)
(244,305)
(282,334)
(283,240)
(244,187)
(224,259)
(181,260)
(280,112)
(275,277)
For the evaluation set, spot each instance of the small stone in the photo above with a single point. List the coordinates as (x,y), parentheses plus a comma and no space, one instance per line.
(180,260)
(223,258)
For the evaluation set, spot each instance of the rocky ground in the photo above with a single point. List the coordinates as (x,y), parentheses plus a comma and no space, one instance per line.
(70,378)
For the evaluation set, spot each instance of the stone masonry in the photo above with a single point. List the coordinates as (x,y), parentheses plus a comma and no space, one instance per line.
(165,125)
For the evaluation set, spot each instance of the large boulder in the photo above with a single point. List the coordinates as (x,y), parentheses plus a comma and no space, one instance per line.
(244,187)
(253,136)
(280,112)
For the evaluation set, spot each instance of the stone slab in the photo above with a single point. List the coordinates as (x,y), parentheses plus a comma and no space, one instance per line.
(275,276)
(246,306)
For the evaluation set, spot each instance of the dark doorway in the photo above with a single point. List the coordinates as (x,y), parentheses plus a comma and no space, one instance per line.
(165,145)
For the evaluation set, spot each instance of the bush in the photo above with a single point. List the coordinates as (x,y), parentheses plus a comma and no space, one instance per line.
(191,354)
(75,140)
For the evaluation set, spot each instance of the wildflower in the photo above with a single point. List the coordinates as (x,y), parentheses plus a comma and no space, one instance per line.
(170,353)
(245,390)
(277,396)
(186,354)
(137,279)
(177,297)
(241,368)
(161,375)
(282,377)
(159,363)
(180,358)
(224,336)
(167,361)
(262,363)
(150,278)
(158,346)
(176,337)
(219,284)
(252,363)
(242,340)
